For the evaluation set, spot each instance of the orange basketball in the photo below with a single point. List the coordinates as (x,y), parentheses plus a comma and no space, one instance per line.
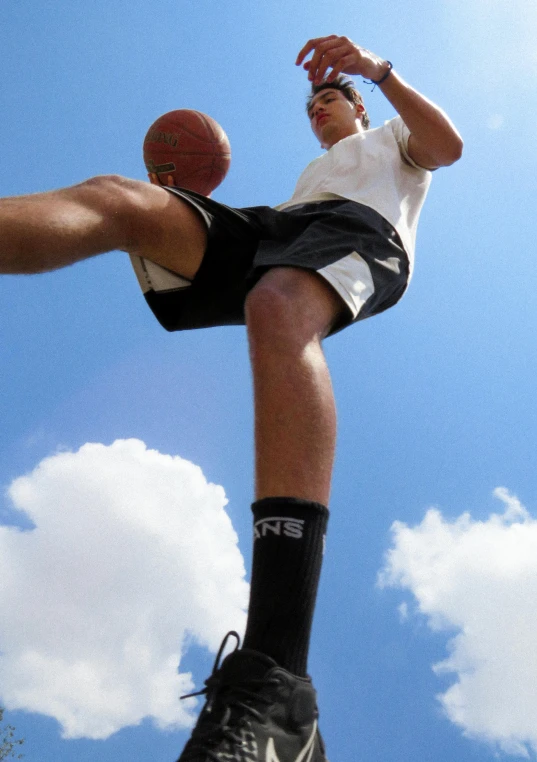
(189,146)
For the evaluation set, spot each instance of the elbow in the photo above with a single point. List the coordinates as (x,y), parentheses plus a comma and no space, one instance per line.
(446,152)
(457,149)
(453,152)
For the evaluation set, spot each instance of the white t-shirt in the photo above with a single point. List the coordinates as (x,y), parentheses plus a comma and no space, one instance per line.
(372,167)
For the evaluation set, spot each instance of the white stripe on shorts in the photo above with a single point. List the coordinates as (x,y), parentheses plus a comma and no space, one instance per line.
(154,277)
(352,279)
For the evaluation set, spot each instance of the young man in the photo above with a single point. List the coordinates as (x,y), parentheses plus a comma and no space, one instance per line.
(339,251)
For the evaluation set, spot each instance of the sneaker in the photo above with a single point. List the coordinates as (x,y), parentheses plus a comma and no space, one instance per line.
(255,712)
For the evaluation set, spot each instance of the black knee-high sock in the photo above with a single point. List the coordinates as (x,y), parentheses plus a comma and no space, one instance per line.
(288,550)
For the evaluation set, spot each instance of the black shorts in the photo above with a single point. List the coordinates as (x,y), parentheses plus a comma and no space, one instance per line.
(350,245)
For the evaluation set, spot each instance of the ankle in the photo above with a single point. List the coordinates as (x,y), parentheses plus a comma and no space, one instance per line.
(288,550)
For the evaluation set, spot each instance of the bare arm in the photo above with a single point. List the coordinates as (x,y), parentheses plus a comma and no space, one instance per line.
(434,140)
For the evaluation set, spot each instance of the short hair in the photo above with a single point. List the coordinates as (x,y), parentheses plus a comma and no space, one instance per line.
(346,86)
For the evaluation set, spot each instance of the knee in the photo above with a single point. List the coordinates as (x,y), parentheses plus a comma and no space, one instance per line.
(287,312)
(112,193)
(110,186)
(270,313)
(124,202)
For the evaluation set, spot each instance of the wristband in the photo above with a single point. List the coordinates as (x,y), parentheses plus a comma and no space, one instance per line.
(376,82)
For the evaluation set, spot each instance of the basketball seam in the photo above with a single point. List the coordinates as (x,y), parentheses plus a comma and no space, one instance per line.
(207,127)
(200,153)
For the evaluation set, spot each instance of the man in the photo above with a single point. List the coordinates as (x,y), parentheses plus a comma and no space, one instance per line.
(339,251)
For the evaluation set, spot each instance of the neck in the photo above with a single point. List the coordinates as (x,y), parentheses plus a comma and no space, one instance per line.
(330,140)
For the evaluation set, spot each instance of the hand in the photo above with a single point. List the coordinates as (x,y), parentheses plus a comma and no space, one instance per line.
(341,55)
(155,179)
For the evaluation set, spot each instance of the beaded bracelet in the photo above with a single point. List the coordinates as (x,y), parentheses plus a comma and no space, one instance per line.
(376,82)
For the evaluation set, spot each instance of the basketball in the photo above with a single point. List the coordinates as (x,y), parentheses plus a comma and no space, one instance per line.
(189,146)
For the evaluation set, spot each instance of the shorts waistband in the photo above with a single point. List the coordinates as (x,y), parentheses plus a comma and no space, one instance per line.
(304,204)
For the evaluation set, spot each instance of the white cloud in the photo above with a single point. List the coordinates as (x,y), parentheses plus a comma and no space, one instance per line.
(132,555)
(478,578)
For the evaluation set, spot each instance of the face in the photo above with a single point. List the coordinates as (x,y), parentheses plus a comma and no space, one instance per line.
(333,117)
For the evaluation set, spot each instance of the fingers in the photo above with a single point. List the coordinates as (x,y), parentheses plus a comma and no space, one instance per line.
(337,53)
(311,45)
(343,65)
(329,56)
(155,180)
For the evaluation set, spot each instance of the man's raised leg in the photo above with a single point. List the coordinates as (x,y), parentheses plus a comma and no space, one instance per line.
(46,231)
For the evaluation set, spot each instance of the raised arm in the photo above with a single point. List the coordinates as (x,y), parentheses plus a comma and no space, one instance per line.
(434,140)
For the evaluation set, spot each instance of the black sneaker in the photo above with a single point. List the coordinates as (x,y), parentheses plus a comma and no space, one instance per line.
(255,712)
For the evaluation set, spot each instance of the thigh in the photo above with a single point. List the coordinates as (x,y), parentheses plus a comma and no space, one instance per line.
(357,253)
(215,293)
(169,231)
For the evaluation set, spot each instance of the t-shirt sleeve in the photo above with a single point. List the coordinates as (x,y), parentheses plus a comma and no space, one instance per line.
(401,134)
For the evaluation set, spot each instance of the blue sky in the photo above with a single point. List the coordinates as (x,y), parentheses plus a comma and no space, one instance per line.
(435,397)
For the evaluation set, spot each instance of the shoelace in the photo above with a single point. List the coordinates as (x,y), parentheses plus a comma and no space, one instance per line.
(236,696)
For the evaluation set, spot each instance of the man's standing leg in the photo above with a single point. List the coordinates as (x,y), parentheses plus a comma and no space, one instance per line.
(260,702)
(288,313)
